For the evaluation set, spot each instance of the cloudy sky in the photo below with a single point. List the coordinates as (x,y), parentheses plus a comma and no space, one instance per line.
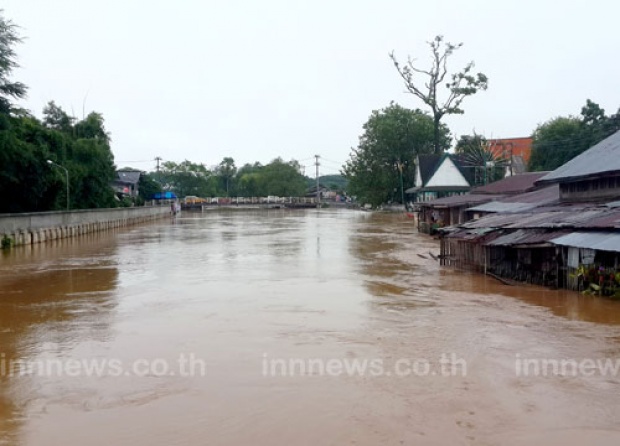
(257,79)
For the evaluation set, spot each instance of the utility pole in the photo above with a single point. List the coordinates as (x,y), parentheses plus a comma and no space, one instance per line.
(161,187)
(318,191)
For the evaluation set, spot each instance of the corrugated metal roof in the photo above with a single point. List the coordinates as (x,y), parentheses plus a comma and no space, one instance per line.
(428,165)
(601,241)
(555,219)
(604,219)
(526,237)
(511,185)
(129,176)
(494,221)
(600,158)
(503,207)
(522,202)
(469,234)
(464,165)
(539,220)
(444,189)
(596,218)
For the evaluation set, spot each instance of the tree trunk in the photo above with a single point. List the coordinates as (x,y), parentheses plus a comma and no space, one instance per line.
(436,135)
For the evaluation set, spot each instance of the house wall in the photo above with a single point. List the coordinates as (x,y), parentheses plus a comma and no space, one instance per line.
(447,175)
(591,190)
(535,265)
(463,254)
(119,188)
(525,264)
(418,175)
(508,147)
(421,197)
(430,219)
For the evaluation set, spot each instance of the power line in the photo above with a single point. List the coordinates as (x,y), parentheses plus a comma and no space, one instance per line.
(331,169)
(305,159)
(331,161)
(134,161)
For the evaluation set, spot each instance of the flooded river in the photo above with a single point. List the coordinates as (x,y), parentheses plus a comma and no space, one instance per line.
(292,328)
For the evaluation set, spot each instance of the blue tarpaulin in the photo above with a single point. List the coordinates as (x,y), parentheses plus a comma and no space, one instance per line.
(164,196)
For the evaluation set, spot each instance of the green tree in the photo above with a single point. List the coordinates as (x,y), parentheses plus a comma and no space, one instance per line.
(226,171)
(282,179)
(248,179)
(91,170)
(25,177)
(248,185)
(560,139)
(595,125)
(459,85)
(148,186)
(187,178)
(556,142)
(392,139)
(9,90)
(54,117)
(92,127)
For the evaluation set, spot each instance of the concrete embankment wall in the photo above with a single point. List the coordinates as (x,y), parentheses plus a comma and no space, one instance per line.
(37,227)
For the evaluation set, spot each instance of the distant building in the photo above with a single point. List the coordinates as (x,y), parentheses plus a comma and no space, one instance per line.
(439,176)
(453,210)
(516,152)
(126,183)
(325,193)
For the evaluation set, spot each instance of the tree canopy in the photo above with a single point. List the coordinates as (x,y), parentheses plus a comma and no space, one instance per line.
(391,140)
(186,178)
(9,90)
(459,85)
(560,139)
(32,184)
(279,177)
(226,171)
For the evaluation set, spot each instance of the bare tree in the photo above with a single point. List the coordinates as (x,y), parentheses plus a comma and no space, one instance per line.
(460,84)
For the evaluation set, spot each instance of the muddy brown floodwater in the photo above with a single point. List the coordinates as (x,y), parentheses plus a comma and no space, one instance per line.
(291,328)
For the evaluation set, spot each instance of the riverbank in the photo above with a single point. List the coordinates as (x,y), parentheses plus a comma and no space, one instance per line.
(37,227)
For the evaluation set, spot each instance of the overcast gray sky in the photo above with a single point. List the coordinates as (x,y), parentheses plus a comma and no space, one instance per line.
(257,79)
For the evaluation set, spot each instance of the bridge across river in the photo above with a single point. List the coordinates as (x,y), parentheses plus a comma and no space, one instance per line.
(259,202)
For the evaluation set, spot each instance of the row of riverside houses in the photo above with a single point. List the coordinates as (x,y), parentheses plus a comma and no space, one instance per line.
(448,176)
(562,231)
(456,209)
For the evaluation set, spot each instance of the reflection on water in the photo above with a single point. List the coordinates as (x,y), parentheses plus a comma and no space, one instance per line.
(236,287)
(52,296)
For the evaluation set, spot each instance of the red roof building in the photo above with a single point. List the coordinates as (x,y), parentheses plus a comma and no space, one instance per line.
(510,147)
